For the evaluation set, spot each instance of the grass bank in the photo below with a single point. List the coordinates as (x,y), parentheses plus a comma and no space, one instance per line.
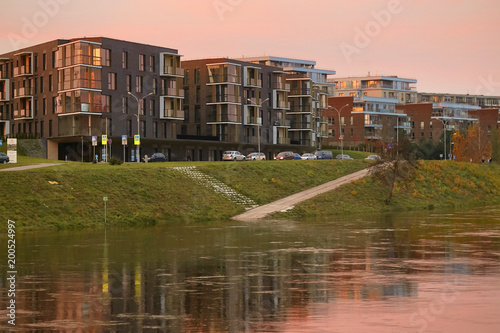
(70,195)
(438,185)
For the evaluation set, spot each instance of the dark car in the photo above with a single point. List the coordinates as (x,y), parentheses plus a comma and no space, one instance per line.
(324,155)
(285,155)
(157,157)
(4,158)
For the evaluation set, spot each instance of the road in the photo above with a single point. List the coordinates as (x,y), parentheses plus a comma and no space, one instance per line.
(290,201)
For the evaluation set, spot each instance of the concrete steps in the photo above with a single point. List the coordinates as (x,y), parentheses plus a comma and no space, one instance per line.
(218,186)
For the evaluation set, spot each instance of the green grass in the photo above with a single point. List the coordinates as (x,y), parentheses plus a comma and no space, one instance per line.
(438,185)
(23,161)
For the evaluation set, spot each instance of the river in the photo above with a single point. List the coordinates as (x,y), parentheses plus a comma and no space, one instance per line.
(432,272)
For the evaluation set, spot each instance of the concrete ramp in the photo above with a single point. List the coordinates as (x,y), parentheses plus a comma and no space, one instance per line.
(290,201)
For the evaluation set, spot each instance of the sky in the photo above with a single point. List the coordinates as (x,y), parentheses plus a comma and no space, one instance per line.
(449,46)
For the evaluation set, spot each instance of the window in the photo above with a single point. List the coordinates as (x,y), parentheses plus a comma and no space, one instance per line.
(105,57)
(41,84)
(124,105)
(138,84)
(112,81)
(352,132)
(142,61)
(152,110)
(197,76)
(197,94)
(143,106)
(186,76)
(35,107)
(124,59)
(155,129)
(41,129)
(50,128)
(341,94)
(155,84)
(129,127)
(44,61)
(422,125)
(44,106)
(422,134)
(106,103)
(351,121)
(128,82)
(50,82)
(143,128)
(151,63)
(54,104)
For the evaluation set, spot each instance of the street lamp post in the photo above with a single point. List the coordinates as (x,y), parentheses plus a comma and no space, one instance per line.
(445,123)
(340,129)
(258,125)
(139,101)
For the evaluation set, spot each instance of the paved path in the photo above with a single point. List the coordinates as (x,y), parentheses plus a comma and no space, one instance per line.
(33,166)
(292,200)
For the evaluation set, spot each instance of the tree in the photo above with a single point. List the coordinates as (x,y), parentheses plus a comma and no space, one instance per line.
(478,145)
(426,149)
(397,163)
(459,147)
(495,145)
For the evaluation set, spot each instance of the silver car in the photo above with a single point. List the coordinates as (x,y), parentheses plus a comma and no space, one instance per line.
(256,156)
(308,156)
(233,155)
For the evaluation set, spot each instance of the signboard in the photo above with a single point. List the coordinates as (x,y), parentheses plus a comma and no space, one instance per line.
(94,141)
(110,141)
(104,139)
(12,150)
(137,140)
(124,140)
(105,199)
(0,142)
(341,137)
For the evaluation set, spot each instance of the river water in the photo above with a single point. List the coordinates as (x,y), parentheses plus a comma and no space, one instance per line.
(436,272)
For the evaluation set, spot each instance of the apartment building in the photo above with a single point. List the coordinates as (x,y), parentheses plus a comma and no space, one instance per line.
(476,100)
(309,91)
(402,89)
(68,91)
(363,120)
(234,105)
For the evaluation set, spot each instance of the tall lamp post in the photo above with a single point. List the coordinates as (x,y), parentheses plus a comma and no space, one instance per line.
(139,101)
(340,129)
(445,123)
(258,125)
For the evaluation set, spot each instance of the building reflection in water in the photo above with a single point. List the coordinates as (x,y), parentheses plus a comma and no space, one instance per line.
(240,288)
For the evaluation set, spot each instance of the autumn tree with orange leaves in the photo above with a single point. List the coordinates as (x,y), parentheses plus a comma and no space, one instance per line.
(475,144)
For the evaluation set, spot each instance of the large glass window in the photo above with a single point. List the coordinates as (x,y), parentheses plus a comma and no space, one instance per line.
(138,84)
(112,81)
(142,61)
(124,59)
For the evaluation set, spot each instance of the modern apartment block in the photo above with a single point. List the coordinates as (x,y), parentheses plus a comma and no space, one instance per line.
(364,119)
(309,91)
(476,100)
(66,91)
(393,87)
(234,105)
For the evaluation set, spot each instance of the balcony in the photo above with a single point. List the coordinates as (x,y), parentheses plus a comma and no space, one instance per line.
(282,141)
(300,109)
(219,117)
(281,86)
(23,114)
(172,114)
(300,92)
(281,123)
(281,105)
(295,125)
(23,92)
(23,71)
(224,79)
(172,71)
(172,92)
(251,82)
(223,99)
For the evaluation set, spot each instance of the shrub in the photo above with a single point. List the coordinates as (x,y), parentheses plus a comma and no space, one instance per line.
(115,161)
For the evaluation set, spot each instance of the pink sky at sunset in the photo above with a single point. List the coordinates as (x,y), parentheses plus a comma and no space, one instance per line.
(449,46)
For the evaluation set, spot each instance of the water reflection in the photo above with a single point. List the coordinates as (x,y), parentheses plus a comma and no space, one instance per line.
(399,273)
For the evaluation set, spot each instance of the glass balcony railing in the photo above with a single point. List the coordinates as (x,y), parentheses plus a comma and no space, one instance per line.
(223,99)
(174,71)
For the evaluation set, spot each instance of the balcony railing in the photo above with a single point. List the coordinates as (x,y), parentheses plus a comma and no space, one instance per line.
(254,82)
(173,114)
(300,92)
(281,86)
(23,70)
(282,105)
(23,92)
(302,109)
(227,78)
(300,125)
(223,99)
(23,113)
(283,141)
(222,117)
(174,92)
(303,142)
(174,71)
(282,123)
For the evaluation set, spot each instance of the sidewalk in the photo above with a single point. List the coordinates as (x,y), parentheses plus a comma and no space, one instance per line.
(34,166)
(290,201)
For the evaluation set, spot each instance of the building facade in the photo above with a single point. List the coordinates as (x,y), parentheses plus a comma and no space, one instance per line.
(68,91)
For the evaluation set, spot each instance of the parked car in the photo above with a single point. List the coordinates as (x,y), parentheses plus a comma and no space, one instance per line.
(157,157)
(308,156)
(233,155)
(4,158)
(256,156)
(296,156)
(343,157)
(373,157)
(324,155)
(285,155)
